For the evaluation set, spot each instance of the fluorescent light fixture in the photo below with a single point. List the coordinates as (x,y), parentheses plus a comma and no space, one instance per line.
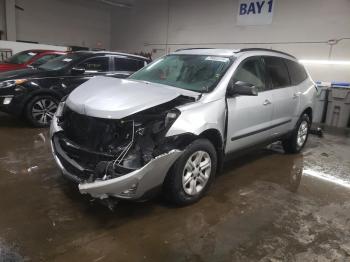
(324,62)
(116,4)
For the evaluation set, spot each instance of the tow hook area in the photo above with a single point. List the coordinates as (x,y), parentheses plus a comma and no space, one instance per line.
(136,183)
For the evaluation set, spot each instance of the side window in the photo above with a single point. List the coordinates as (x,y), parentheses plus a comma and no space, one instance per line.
(127,64)
(277,70)
(96,64)
(251,71)
(296,71)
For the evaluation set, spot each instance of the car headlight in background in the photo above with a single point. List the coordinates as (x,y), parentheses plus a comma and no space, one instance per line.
(10,83)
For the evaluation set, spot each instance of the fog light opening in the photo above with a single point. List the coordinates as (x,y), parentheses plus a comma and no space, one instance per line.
(7,100)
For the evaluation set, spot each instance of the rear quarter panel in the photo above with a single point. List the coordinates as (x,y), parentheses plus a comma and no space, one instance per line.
(307,93)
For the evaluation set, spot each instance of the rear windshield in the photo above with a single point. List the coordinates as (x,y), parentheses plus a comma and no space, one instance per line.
(21,58)
(199,73)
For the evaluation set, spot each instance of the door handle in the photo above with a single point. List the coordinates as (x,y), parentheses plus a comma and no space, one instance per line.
(266,102)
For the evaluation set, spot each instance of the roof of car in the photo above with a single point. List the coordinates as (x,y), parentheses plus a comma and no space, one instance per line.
(228,52)
(45,51)
(110,53)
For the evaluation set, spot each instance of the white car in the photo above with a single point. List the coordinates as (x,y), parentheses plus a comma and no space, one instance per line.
(171,125)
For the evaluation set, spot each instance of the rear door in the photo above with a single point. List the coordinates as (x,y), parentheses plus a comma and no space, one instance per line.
(298,76)
(249,117)
(283,95)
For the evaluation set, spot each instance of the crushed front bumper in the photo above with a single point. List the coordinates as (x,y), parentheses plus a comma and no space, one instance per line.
(133,185)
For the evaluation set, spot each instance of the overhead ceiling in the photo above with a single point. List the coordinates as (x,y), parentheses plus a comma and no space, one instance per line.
(118,3)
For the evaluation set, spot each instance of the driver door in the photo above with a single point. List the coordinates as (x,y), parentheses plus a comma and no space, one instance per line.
(249,117)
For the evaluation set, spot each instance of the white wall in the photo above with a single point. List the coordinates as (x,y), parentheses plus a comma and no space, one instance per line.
(2,15)
(64,22)
(206,22)
(18,46)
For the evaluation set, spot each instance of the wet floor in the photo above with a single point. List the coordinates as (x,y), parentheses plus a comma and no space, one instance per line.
(265,206)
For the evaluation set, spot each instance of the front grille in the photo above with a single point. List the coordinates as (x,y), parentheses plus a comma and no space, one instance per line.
(97,134)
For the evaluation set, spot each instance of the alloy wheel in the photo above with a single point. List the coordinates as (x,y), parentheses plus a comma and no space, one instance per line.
(43,110)
(196,173)
(302,133)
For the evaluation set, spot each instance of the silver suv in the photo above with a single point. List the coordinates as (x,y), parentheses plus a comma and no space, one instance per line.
(171,125)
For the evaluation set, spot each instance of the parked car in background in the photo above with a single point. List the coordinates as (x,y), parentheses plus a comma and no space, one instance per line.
(32,58)
(35,92)
(172,123)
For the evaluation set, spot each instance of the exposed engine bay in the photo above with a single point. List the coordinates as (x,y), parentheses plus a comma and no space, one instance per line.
(110,148)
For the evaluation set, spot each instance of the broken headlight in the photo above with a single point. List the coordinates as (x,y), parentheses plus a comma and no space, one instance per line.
(171,116)
(60,107)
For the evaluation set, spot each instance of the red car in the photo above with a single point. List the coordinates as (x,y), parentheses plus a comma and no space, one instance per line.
(27,58)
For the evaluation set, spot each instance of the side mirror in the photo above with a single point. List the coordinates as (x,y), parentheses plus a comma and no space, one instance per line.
(77,71)
(241,88)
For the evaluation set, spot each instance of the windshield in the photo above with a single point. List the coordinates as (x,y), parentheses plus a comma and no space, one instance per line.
(61,62)
(21,58)
(42,60)
(198,73)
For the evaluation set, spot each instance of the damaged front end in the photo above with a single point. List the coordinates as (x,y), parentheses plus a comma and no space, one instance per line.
(124,158)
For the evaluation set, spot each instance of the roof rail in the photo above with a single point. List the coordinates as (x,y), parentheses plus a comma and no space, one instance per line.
(182,49)
(265,49)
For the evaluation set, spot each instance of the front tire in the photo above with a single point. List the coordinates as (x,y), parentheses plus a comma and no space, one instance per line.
(296,142)
(192,174)
(40,110)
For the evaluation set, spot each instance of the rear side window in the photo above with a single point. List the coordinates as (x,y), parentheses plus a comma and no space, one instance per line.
(277,70)
(96,64)
(297,72)
(127,64)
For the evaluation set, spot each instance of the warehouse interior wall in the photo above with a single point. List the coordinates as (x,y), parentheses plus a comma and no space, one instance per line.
(64,22)
(302,28)
(2,18)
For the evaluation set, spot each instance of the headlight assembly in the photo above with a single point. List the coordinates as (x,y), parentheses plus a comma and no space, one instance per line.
(9,83)
(60,109)
(171,116)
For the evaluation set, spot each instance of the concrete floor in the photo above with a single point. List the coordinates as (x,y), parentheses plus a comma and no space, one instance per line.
(266,206)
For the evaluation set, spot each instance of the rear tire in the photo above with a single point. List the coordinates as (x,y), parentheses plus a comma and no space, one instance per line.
(296,142)
(40,110)
(191,175)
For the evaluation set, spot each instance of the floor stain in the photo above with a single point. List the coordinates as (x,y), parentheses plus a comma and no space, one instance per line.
(265,206)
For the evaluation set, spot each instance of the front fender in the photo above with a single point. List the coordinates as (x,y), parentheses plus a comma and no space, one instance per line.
(198,117)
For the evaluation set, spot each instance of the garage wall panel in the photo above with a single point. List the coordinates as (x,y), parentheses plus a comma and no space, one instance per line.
(145,23)
(64,22)
(2,15)
(302,28)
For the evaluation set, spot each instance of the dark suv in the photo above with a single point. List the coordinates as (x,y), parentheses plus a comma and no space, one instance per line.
(34,93)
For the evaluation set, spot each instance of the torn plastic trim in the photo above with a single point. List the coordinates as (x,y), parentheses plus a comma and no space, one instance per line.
(139,181)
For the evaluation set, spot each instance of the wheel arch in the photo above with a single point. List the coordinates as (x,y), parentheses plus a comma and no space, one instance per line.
(309,112)
(40,92)
(215,137)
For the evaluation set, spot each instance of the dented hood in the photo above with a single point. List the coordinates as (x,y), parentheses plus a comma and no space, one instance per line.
(107,97)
